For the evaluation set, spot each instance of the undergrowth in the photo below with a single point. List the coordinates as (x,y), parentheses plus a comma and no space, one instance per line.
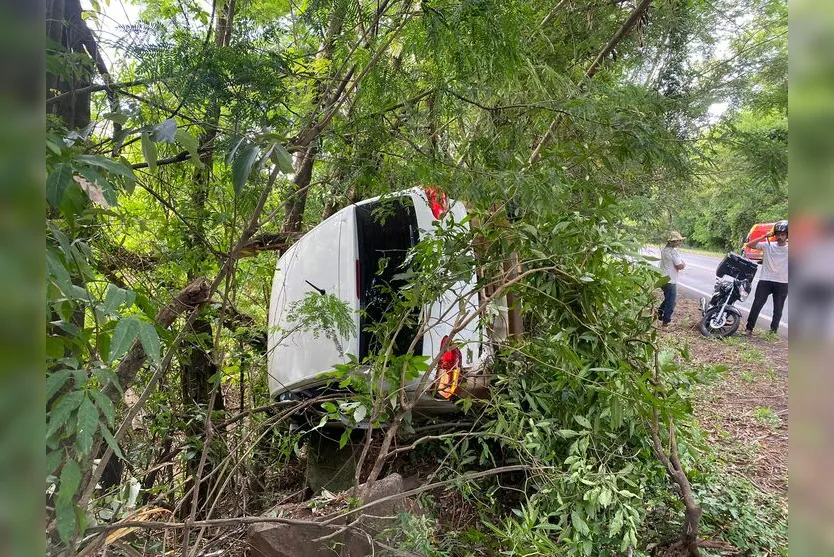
(589,491)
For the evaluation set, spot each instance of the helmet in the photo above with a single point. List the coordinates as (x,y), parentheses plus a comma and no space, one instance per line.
(781,226)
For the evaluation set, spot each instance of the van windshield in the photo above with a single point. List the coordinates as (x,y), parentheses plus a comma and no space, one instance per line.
(386,230)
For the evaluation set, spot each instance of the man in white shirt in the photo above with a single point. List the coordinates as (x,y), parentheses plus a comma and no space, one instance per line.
(774,277)
(671,264)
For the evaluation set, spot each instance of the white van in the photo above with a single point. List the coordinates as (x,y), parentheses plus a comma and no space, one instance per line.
(341,256)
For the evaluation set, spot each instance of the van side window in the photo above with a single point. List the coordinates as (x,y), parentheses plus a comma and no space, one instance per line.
(386,230)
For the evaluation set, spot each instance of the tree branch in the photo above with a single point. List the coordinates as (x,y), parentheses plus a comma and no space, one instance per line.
(618,36)
(591,71)
(269,241)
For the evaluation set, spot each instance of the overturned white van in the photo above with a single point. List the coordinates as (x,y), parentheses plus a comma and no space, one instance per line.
(341,257)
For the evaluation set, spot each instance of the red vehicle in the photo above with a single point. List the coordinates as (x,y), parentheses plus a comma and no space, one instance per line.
(757,231)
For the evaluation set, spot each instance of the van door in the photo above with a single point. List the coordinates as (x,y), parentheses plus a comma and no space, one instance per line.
(311,265)
(443,313)
(386,230)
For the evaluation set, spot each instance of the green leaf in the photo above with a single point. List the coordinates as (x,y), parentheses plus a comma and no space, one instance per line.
(583,421)
(55,269)
(53,460)
(242,166)
(57,182)
(54,347)
(55,381)
(579,523)
(567,433)
(105,405)
(605,497)
(87,426)
(111,442)
(189,143)
(70,480)
(114,298)
(616,524)
(344,438)
(231,154)
(360,413)
(110,165)
(81,520)
(119,138)
(149,151)
(53,146)
(61,411)
(65,520)
(150,340)
(616,413)
(282,158)
(126,332)
(63,240)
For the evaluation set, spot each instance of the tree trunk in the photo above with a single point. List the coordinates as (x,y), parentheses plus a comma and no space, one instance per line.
(294,213)
(689,537)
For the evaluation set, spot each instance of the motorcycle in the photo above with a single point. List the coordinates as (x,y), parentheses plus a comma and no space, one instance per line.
(721,317)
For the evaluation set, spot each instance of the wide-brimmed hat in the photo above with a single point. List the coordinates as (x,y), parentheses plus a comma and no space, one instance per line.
(675,236)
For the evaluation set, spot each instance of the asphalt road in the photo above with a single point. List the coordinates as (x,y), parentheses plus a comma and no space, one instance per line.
(698,279)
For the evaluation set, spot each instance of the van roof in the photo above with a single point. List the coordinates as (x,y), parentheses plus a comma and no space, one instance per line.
(761,225)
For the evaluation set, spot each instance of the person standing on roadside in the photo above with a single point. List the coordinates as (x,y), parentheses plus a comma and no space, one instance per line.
(774,277)
(671,263)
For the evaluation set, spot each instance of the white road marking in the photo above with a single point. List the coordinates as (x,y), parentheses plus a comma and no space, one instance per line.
(710,269)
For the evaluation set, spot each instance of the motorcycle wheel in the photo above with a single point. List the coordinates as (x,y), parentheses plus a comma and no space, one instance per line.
(731,324)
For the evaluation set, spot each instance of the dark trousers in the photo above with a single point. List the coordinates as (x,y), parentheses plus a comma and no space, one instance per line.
(764,289)
(667,306)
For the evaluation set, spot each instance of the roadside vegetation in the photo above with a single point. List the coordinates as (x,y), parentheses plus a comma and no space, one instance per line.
(574,134)
(711,253)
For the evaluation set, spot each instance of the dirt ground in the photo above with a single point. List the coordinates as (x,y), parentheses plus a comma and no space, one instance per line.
(745,412)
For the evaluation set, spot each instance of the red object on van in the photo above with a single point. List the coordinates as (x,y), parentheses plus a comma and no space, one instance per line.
(757,231)
(438,201)
(447,375)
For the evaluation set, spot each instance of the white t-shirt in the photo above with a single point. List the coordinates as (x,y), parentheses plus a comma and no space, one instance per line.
(774,262)
(669,257)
